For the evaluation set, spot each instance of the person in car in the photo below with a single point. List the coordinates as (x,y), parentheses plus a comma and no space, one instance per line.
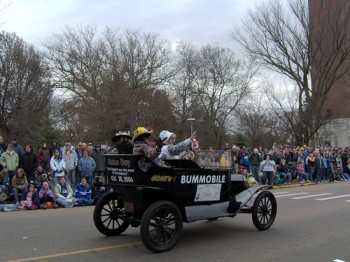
(170,150)
(122,143)
(142,146)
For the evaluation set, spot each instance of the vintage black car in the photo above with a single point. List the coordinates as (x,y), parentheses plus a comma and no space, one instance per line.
(159,199)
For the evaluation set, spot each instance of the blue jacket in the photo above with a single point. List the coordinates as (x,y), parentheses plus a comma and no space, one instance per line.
(82,192)
(86,166)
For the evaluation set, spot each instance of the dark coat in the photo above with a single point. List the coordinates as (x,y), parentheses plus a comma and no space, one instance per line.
(29,163)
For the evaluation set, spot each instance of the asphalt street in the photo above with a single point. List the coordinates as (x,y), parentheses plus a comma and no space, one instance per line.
(312,224)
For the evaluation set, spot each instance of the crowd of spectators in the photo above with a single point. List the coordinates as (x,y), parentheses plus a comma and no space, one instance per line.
(287,164)
(70,175)
(51,176)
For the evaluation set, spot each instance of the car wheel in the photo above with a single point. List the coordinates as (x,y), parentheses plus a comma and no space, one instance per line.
(109,215)
(161,226)
(264,210)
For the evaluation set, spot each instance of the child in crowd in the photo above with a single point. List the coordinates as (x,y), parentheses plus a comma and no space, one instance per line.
(30,200)
(46,197)
(303,176)
(83,193)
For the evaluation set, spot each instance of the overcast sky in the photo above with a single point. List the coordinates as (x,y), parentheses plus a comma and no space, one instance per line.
(195,21)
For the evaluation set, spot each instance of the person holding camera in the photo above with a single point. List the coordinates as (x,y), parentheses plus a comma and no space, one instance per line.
(98,189)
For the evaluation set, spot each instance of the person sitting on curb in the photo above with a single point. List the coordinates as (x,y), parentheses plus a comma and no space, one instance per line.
(303,176)
(19,184)
(30,200)
(98,189)
(46,196)
(64,194)
(83,193)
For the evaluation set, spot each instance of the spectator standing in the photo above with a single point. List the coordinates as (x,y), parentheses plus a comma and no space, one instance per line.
(10,161)
(29,162)
(17,147)
(53,147)
(86,166)
(19,184)
(83,193)
(268,167)
(254,161)
(79,151)
(319,175)
(245,160)
(70,159)
(310,165)
(64,193)
(99,159)
(44,156)
(57,166)
(3,146)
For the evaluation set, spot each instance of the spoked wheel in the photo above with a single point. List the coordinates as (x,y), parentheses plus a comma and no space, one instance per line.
(109,215)
(161,226)
(264,210)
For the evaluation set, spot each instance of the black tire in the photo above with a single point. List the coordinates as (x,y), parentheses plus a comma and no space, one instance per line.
(264,210)
(109,215)
(161,226)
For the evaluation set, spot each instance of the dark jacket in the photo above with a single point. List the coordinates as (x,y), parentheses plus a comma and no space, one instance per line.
(255,159)
(29,163)
(123,147)
(99,160)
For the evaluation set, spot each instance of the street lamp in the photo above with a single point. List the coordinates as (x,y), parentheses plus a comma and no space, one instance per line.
(191,122)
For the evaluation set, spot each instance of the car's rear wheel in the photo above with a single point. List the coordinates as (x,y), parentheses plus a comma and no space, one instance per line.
(109,215)
(161,226)
(264,210)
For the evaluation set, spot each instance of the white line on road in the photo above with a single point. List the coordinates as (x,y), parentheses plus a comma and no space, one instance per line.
(279,193)
(294,194)
(324,194)
(328,198)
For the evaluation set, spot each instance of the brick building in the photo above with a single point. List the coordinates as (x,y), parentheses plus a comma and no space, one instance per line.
(330,18)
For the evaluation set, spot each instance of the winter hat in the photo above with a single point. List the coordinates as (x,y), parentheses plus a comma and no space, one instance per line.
(165,135)
(45,184)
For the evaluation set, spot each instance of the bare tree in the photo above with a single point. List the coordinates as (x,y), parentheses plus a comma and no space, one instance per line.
(283,40)
(108,78)
(25,90)
(209,86)
(259,125)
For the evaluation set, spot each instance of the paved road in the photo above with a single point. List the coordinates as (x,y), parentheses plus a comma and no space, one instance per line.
(312,224)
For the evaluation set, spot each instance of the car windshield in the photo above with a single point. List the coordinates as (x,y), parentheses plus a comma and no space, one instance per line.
(214,159)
